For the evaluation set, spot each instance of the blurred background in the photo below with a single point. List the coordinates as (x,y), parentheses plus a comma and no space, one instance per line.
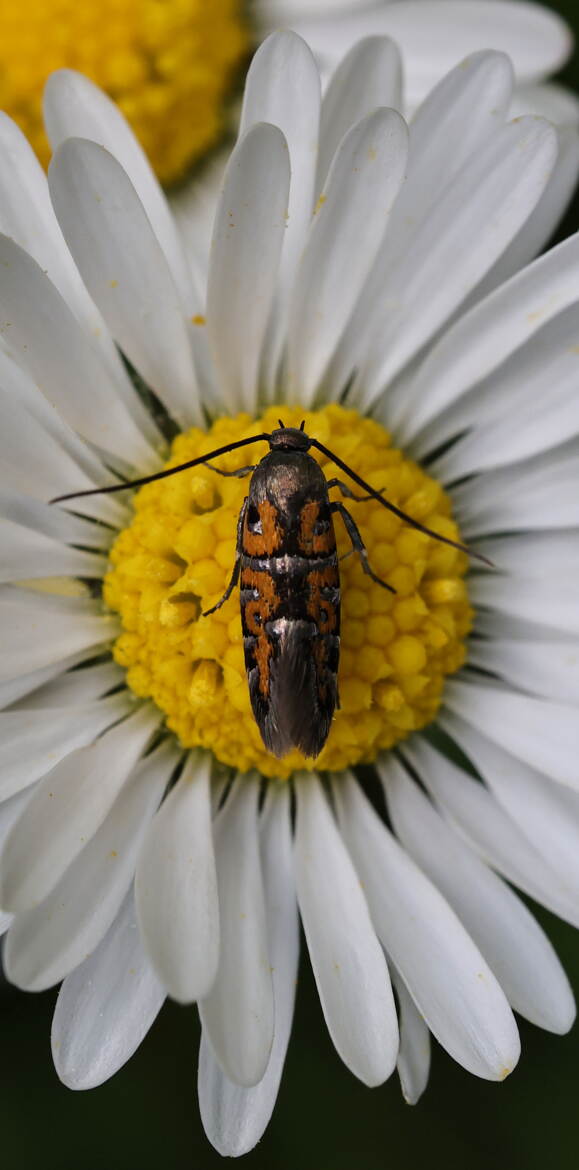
(147,1116)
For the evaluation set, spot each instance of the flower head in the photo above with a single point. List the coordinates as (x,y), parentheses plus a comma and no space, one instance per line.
(356,269)
(167,63)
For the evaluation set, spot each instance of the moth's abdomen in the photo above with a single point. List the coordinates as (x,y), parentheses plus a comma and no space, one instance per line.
(290,611)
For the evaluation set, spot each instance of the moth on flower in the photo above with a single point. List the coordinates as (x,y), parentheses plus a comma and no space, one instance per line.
(287,564)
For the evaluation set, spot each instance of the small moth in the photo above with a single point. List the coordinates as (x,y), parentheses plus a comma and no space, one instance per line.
(286,564)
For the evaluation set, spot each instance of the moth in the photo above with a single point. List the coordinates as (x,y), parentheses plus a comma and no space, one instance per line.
(286,565)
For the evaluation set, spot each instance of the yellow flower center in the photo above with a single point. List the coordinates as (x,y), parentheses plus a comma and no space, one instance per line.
(167,63)
(175,559)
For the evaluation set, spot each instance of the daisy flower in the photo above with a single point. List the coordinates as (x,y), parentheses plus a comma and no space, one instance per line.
(381,284)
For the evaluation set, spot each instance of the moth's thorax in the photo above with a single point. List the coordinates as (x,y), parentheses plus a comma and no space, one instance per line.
(287,479)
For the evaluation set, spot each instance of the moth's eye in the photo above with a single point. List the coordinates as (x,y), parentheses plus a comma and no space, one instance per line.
(254,520)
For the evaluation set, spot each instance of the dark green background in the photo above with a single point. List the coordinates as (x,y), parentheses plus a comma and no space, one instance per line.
(147,1116)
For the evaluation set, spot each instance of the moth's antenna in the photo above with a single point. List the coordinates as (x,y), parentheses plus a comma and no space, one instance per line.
(282,425)
(398,511)
(302,424)
(133,483)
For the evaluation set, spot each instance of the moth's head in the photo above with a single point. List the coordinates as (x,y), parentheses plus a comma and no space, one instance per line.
(289,439)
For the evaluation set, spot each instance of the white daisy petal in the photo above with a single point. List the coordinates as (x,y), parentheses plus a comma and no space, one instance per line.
(519,954)
(14,689)
(347,960)
(467,230)
(40,455)
(67,809)
(176,888)
(543,220)
(486,336)
(28,218)
(37,516)
(550,669)
(10,810)
(27,554)
(368,77)
(458,119)
(363,182)
(48,942)
(245,254)
(106,1007)
(234,1118)
(37,630)
(35,741)
(75,687)
(434,36)
(515,415)
(491,831)
(543,734)
(546,813)
(437,959)
(513,597)
(237,1015)
(76,108)
(59,358)
(535,493)
(547,100)
(122,263)
(283,87)
(414,1056)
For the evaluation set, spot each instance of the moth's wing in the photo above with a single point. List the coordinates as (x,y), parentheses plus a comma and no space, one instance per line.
(303,692)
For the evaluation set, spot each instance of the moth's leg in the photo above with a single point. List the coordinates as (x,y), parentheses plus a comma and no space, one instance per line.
(357,542)
(347,491)
(236,564)
(239,474)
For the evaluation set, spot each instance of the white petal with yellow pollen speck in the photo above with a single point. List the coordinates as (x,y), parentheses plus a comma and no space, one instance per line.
(245,255)
(76,108)
(514,945)
(363,181)
(67,809)
(122,263)
(237,1015)
(176,887)
(49,941)
(498,837)
(369,77)
(449,980)
(235,1117)
(413,1062)
(106,1007)
(347,960)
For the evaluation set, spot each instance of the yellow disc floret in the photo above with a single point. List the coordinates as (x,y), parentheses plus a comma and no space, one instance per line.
(175,559)
(168,64)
